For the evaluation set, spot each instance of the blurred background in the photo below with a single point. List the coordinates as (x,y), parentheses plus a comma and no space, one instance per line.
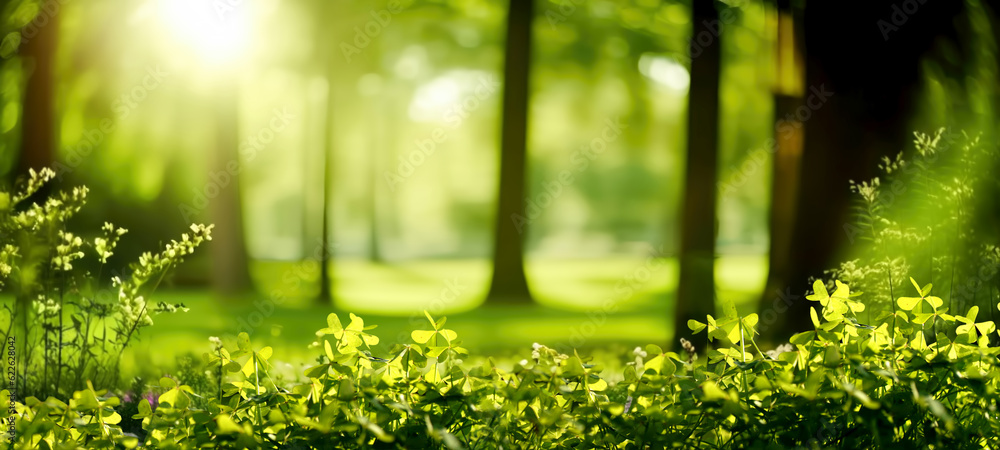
(585,173)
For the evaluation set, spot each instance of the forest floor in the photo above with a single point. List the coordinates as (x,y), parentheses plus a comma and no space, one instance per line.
(569,309)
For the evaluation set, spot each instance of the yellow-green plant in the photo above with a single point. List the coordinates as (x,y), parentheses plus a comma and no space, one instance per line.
(69,325)
(849,383)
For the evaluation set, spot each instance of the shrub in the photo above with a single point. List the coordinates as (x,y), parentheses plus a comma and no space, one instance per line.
(931,215)
(845,384)
(69,327)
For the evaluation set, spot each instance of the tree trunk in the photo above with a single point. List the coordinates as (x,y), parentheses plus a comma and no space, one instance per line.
(374,250)
(788,142)
(325,297)
(39,134)
(861,78)
(509,284)
(230,271)
(696,285)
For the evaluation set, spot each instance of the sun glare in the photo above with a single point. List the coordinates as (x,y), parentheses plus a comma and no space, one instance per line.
(217,31)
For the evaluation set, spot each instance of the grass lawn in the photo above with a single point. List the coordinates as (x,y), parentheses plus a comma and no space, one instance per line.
(569,312)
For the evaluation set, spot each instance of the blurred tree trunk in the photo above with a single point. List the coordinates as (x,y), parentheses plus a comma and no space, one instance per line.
(325,297)
(374,252)
(328,11)
(862,72)
(696,285)
(38,146)
(509,284)
(230,270)
(39,134)
(788,142)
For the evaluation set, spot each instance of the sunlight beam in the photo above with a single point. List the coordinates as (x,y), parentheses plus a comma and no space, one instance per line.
(216,31)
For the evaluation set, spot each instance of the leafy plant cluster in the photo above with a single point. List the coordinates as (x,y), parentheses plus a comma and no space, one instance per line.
(845,384)
(69,326)
(931,215)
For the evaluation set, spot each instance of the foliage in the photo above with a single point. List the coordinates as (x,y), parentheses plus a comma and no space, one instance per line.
(893,383)
(932,213)
(68,326)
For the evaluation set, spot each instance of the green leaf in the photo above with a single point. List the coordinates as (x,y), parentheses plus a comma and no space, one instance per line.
(814,317)
(434,352)
(346,390)
(248,367)
(227,425)
(422,336)
(802,338)
(173,398)
(697,326)
(728,307)
(908,303)
(842,292)
(167,383)
(145,410)
(921,318)
(661,364)
(712,392)
(735,333)
(819,292)
(935,302)
(630,376)
(329,350)
(334,326)
(111,417)
(357,324)
(448,335)
(243,341)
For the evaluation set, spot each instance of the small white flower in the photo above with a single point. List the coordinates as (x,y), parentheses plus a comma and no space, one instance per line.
(524,362)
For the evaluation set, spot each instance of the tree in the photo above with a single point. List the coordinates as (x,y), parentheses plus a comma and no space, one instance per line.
(230,271)
(788,142)
(696,285)
(862,73)
(509,284)
(39,136)
(325,260)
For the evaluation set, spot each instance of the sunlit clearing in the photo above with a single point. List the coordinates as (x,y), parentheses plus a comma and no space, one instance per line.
(215,31)
(664,71)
